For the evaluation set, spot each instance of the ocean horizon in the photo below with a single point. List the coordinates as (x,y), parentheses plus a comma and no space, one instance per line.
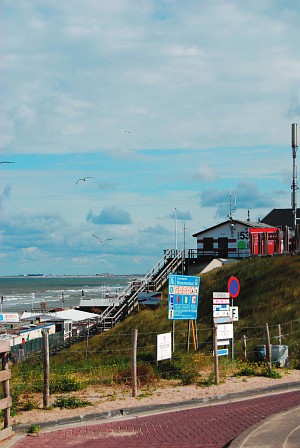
(27,292)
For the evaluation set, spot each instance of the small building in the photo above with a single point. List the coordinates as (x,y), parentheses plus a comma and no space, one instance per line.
(281,217)
(70,321)
(284,219)
(238,239)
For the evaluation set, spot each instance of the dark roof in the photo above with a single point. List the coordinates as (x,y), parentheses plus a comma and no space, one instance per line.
(281,217)
(249,224)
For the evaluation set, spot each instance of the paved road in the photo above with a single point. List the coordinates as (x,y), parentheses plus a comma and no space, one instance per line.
(215,426)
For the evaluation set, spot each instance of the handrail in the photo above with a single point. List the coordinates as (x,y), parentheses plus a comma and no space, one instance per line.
(127,299)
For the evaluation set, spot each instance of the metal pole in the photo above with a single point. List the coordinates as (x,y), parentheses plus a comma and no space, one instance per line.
(87,338)
(173,335)
(232,340)
(294,184)
(183,255)
(216,360)
(175,214)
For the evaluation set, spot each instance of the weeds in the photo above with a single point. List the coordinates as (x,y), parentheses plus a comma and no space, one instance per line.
(70,403)
(269,372)
(65,384)
(33,429)
(209,381)
(29,405)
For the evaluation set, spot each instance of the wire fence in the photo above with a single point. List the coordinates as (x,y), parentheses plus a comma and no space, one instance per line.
(109,362)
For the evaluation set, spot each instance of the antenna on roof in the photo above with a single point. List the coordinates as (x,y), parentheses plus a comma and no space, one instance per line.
(231,208)
(294,186)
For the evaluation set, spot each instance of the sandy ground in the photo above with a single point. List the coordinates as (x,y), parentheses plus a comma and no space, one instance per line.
(112,398)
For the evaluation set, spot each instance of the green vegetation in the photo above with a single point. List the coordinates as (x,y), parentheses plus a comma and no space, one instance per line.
(70,403)
(33,429)
(270,293)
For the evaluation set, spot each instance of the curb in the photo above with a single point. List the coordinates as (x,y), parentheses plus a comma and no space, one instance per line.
(137,410)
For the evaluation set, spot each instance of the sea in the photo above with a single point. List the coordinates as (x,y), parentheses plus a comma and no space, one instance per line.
(25,293)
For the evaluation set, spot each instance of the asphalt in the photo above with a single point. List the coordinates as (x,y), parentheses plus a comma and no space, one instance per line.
(240,420)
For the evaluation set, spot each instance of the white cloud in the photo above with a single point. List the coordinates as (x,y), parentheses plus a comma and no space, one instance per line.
(208,91)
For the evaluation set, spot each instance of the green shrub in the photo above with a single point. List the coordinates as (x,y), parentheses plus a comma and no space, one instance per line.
(168,370)
(209,381)
(33,429)
(247,370)
(70,403)
(65,384)
(145,375)
(269,372)
(29,405)
(188,377)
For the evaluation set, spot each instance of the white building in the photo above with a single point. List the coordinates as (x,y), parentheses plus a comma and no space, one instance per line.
(238,239)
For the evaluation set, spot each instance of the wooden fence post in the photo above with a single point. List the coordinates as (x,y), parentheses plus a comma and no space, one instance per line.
(133,362)
(188,336)
(244,343)
(279,334)
(268,347)
(5,402)
(46,370)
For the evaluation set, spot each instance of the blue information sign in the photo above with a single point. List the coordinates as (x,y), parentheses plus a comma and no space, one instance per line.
(183,296)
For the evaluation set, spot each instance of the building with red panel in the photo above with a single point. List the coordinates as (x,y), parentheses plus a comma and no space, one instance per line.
(238,239)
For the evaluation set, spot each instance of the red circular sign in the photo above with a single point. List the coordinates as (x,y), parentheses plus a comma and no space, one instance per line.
(233,287)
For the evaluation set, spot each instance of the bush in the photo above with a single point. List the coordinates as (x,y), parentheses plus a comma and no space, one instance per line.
(65,384)
(33,429)
(247,370)
(188,377)
(168,370)
(145,375)
(70,403)
(270,373)
(29,405)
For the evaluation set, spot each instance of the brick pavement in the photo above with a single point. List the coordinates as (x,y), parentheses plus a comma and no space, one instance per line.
(203,427)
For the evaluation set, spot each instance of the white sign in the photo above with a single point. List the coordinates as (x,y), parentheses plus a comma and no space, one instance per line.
(225,331)
(221,295)
(234,312)
(164,346)
(223,313)
(221,301)
(221,307)
(9,317)
(223,342)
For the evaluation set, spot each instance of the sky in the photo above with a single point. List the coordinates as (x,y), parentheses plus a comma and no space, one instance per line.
(170,109)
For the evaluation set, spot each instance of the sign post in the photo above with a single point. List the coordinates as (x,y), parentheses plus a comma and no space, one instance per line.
(183,301)
(216,357)
(233,287)
(183,297)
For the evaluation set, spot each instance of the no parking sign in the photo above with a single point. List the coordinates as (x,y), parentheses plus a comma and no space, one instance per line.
(233,287)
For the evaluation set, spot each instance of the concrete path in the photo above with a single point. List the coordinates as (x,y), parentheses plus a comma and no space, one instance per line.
(252,422)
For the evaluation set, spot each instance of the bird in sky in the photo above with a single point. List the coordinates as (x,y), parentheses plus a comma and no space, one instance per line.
(101,241)
(128,132)
(84,179)
(6,162)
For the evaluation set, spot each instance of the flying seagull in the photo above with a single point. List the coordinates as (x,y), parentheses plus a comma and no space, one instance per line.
(6,162)
(101,241)
(84,179)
